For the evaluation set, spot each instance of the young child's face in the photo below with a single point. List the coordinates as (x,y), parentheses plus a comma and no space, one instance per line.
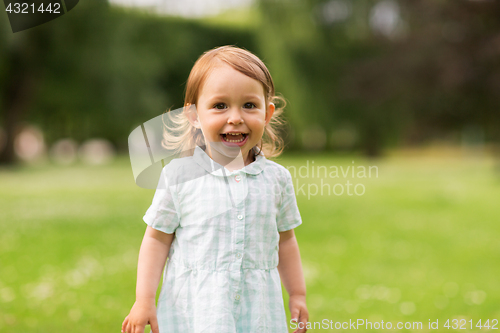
(232,111)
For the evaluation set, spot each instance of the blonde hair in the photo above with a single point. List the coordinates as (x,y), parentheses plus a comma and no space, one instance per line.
(181,136)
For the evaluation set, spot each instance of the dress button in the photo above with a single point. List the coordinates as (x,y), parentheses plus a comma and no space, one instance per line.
(237,178)
(237,297)
(240,217)
(238,255)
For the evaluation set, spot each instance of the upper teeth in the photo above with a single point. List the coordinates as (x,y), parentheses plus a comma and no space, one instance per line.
(235,134)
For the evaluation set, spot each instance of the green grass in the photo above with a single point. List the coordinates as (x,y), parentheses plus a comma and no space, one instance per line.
(421,243)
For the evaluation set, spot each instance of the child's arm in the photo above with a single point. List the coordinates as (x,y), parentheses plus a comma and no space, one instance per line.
(152,258)
(290,269)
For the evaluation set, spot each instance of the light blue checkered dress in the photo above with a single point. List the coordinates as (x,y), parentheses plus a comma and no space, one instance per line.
(221,275)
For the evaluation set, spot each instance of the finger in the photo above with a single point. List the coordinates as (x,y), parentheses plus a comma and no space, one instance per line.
(295,314)
(295,317)
(304,316)
(153,322)
(124,324)
(140,328)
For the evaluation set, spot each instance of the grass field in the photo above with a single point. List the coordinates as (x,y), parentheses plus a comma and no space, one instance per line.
(421,243)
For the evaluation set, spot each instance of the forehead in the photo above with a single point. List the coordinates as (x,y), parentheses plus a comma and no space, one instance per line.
(224,78)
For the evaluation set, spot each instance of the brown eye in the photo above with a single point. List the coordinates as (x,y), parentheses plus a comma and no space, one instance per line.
(220,106)
(249,106)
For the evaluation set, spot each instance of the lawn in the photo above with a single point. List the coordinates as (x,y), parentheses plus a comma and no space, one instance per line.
(418,241)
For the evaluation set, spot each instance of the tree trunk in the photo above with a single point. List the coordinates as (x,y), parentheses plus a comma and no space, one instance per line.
(18,94)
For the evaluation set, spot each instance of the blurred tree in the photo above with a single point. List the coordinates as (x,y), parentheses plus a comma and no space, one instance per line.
(311,53)
(385,71)
(43,56)
(442,73)
(100,71)
(398,71)
(18,79)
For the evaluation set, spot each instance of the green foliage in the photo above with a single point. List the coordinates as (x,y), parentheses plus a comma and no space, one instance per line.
(101,70)
(104,70)
(435,74)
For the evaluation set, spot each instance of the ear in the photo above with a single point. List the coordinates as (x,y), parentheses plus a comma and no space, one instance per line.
(269,112)
(192,115)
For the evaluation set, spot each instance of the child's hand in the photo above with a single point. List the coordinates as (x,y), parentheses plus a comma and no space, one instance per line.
(142,314)
(298,310)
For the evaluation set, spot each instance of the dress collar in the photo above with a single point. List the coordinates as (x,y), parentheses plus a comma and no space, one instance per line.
(202,158)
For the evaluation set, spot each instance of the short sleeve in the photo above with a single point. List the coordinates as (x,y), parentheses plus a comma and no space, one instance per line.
(288,214)
(163,212)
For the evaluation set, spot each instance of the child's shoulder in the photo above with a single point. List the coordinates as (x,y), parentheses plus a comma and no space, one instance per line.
(177,163)
(182,169)
(278,169)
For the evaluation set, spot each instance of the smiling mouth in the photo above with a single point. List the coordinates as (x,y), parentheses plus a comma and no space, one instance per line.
(234,137)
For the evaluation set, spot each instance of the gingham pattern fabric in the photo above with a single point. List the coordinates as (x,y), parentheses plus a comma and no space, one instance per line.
(221,275)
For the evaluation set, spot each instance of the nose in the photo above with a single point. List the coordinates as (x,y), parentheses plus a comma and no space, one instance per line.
(235,117)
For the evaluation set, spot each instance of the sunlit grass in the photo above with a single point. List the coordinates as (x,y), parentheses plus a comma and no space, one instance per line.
(421,243)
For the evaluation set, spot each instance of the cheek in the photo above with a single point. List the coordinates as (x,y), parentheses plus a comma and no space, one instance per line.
(211,126)
(258,123)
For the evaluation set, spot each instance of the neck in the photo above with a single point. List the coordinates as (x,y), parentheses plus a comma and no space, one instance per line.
(231,163)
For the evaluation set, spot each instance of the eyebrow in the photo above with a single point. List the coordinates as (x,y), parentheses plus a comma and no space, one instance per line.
(248,96)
